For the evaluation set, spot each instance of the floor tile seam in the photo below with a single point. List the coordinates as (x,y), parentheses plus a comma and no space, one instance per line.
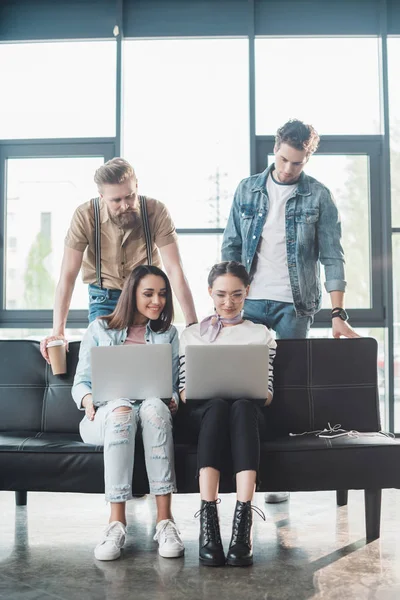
(30,586)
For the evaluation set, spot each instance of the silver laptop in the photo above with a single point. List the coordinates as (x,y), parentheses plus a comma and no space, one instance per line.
(228,372)
(134,371)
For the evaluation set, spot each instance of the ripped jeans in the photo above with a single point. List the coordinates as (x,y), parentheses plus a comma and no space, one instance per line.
(116,431)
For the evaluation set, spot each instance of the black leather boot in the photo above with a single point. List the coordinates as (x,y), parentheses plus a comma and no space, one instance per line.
(240,553)
(211,552)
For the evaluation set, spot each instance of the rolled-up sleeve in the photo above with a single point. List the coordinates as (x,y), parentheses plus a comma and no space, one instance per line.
(232,243)
(76,237)
(164,228)
(331,253)
(83,376)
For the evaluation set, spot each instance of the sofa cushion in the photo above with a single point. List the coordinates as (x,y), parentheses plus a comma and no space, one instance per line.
(61,462)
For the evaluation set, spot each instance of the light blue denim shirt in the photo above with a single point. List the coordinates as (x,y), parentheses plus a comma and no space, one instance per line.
(313,234)
(97,334)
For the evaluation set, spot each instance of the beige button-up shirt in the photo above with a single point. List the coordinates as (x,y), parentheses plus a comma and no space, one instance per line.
(121,250)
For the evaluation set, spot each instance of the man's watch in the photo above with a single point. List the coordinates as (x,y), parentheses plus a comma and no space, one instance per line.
(339,312)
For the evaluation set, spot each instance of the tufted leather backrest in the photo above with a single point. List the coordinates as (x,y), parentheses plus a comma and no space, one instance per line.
(321,381)
(31,397)
(316,381)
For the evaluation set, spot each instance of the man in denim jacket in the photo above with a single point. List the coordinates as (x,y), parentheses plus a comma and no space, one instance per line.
(282,225)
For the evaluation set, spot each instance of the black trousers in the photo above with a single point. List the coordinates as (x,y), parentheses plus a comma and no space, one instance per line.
(226,432)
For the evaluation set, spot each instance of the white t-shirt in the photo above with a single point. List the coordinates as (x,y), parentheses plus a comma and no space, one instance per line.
(271,279)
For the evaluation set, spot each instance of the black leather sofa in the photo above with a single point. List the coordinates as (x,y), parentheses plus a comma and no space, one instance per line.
(317,382)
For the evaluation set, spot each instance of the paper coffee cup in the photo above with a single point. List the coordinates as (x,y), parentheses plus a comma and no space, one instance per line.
(58,356)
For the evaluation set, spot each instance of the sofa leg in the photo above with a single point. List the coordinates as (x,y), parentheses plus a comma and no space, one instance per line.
(372,514)
(21,497)
(341,497)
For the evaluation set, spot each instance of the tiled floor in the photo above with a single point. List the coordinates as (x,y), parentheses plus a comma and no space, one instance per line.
(306,549)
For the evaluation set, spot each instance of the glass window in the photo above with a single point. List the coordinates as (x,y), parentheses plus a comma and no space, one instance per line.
(42,194)
(332,83)
(347,177)
(394,112)
(199,253)
(57,89)
(186,124)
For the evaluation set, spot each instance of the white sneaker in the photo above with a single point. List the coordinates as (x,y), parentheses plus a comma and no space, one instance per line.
(276,497)
(113,539)
(170,544)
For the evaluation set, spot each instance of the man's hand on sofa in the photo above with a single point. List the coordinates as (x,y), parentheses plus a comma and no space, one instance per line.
(50,338)
(173,407)
(87,403)
(342,328)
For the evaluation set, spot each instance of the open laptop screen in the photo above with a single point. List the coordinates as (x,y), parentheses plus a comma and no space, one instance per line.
(133,371)
(227,371)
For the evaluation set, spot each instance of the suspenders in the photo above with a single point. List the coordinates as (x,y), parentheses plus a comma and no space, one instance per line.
(97,234)
(146,228)
(97,244)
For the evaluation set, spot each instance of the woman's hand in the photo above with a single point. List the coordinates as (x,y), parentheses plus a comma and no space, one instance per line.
(173,407)
(269,399)
(88,405)
(183,396)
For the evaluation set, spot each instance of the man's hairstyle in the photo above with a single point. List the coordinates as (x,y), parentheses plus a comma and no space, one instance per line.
(126,309)
(114,171)
(233,268)
(299,135)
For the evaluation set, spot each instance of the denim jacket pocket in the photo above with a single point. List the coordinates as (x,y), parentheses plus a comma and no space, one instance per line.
(247,211)
(307,216)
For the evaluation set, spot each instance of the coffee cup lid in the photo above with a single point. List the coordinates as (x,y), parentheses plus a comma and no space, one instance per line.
(55,343)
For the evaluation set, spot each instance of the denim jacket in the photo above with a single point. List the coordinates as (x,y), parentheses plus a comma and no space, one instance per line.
(97,334)
(313,233)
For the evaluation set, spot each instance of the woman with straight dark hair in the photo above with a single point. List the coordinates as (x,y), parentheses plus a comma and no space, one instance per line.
(225,427)
(143,315)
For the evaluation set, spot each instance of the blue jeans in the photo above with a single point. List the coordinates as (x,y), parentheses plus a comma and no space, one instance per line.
(101,301)
(117,433)
(279,316)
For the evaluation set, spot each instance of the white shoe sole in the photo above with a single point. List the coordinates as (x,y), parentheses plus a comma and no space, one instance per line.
(114,556)
(171,553)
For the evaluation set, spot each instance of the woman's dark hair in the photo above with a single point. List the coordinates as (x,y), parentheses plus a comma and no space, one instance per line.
(233,268)
(126,309)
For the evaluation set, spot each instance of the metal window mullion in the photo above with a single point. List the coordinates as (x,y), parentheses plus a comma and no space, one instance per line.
(359,317)
(3,230)
(200,231)
(377,259)
(40,319)
(118,79)
(54,148)
(386,216)
(252,89)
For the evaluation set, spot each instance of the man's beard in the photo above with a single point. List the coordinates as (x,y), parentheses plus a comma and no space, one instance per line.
(126,220)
